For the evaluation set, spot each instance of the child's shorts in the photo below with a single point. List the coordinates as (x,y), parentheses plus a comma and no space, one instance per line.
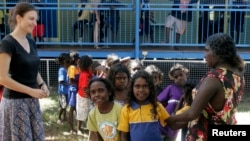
(63,100)
(83,106)
(72,96)
(177,24)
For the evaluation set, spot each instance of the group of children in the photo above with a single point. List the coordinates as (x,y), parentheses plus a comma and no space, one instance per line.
(118,100)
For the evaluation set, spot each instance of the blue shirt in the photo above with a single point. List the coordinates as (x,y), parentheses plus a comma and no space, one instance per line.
(62,77)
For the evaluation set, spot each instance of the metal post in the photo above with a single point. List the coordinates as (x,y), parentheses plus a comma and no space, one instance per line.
(137,17)
(48,73)
(226,17)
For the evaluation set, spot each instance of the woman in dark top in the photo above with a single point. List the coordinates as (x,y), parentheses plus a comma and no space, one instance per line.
(20,114)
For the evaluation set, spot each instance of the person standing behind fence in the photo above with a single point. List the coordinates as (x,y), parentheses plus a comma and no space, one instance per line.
(147,16)
(237,19)
(2,24)
(63,86)
(112,19)
(83,102)
(171,96)
(39,30)
(97,21)
(73,77)
(20,113)
(84,17)
(219,92)
(177,19)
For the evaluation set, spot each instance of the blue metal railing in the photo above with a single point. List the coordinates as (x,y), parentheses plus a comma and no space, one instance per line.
(59,19)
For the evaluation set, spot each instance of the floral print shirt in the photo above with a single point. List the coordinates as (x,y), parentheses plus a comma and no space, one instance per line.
(233,85)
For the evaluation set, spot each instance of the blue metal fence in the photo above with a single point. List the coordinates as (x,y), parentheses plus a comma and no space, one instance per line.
(136,24)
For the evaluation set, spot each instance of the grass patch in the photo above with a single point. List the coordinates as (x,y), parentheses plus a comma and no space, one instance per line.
(54,131)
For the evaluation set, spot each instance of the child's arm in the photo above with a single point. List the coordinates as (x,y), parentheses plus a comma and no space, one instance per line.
(124,136)
(95,136)
(182,110)
(175,125)
(179,125)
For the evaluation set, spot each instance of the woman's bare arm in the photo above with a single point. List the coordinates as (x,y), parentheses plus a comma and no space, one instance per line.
(207,90)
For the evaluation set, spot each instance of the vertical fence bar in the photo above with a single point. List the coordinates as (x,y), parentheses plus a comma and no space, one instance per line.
(48,72)
(137,17)
(226,16)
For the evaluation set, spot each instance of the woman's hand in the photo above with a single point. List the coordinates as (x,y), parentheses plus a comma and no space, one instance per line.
(39,93)
(45,88)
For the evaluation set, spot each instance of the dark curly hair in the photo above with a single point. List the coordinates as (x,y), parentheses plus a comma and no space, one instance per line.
(85,63)
(152,96)
(224,47)
(63,58)
(118,68)
(107,83)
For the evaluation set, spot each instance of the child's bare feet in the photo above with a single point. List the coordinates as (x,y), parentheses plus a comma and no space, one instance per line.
(73,132)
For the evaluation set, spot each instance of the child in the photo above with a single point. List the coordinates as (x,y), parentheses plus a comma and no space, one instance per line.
(113,18)
(95,5)
(84,18)
(73,76)
(147,16)
(120,76)
(157,76)
(141,116)
(63,85)
(135,65)
(171,96)
(177,19)
(104,117)
(185,103)
(97,69)
(112,59)
(83,102)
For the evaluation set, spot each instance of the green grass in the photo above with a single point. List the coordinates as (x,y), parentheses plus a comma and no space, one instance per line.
(54,131)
